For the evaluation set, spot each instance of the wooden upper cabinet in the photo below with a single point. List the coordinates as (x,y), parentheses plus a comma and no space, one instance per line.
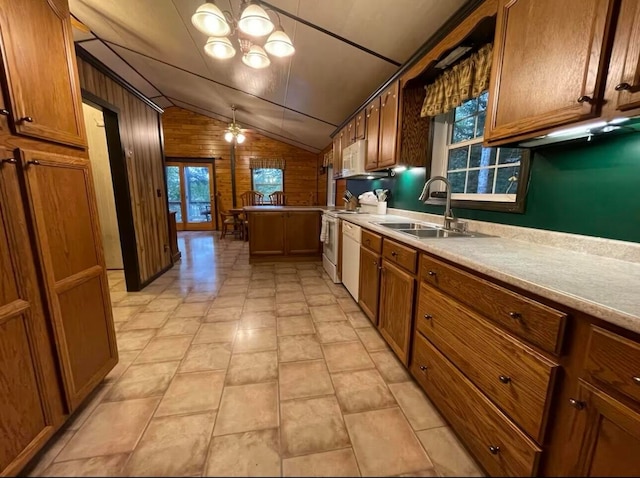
(351,133)
(388,126)
(627,51)
(68,240)
(372,113)
(548,65)
(40,70)
(360,125)
(337,154)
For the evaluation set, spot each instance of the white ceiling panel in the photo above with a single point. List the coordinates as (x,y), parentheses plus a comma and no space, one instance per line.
(162,102)
(328,79)
(314,132)
(79,35)
(109,58)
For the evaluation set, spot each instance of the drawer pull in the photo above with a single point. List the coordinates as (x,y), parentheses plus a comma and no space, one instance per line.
(636,380)
(577,404)
(432,273)
(515,315)
(4,112)
(494,449)
(368,241)
(504,379)
(622,86)
(375,263)
(394,253)
(428,317)
(423,368)
(9,161)
(585,99)
(26,119)
(33,162)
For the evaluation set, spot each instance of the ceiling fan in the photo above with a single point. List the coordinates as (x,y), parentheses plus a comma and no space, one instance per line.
(235,132)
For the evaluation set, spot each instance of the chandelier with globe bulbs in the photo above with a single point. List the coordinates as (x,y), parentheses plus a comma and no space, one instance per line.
(234,131)
(254,23)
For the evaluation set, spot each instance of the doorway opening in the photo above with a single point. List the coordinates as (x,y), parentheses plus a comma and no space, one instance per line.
(191,194)
(111,185)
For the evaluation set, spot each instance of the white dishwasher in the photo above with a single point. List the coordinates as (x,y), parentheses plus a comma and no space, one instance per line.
(351,257)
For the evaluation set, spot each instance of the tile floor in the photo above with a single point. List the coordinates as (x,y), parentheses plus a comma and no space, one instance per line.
(231,369)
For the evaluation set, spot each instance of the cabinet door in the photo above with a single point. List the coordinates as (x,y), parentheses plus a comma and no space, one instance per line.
(40,70)
(360,125)
(549,62)
(369,283)
(628,41)
(388,126)
(302,233)
(396,309)
(373,129)
(351,132)
(337,155)
(63,206)
(29,391)
(610,440)
(266,233)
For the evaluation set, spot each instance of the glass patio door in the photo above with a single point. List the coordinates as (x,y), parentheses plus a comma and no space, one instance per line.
(190,193)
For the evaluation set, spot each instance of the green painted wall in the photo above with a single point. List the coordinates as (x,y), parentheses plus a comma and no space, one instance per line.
(586,188)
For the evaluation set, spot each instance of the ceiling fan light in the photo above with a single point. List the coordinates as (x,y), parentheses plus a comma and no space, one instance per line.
(256,58)
(210,20)
(279,44)
(228,136)
(219,47)
(255,21)
(240,138)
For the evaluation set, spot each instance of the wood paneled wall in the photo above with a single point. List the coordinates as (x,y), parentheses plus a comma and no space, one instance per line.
(191,135)
(140,136)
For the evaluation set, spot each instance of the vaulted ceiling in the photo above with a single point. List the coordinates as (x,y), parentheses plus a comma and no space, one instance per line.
(345,49)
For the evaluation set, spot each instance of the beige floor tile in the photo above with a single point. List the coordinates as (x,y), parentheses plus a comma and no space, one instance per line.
(135,298)
(216,332)
(111,465)
(114,427)
(192,309)
(202,357)
(144,380)
(390,367)
(310,290)
(359,320)
(192,392)
(288,287)
(173,446)
(330,463)
(247,407)
(45,457)
(222,302)
(179,326)
(94,399)
(348,304)
(118,296)
(289,309)
(344,356)
(304,379)
(124,360)
(252,368)
(225,314)
(255,284)
(448,455)
(163,305)
(321,299)
(338,290)
(327,313)
(260,293)
(255,340)
(147,320)
(309,273)
(200,297)
(232,290)
(255,453)
(283,278)
(384,443)
(259,304)
(371,339)
(361,390)
(312,425)
(289,297)
(237,281)
(339,331)
(258,320)
(416,406)
(165,349)
(134,339)
(295,325)
(294,348)
(121,314)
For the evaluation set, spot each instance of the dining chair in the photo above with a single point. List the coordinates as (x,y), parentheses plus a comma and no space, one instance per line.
(228,219)
(251,198)
(277,198)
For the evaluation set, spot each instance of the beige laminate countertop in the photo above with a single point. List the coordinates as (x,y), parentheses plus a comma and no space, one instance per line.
(602,287)
(268,208)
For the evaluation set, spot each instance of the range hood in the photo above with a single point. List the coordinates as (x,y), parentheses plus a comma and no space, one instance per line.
(354,158)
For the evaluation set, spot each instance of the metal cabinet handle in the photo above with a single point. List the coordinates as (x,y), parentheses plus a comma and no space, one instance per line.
(428,317)
(494,449)
(622,86)
(375,263)
(9,161)
(4,112)
(504,379)
(636,380)
(394,253)
(585,99)
(577,404)
(432,273)
(26,119)
(35,162)
(515,315)
(423,368)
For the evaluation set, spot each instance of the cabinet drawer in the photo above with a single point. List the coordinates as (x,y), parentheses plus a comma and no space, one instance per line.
(613,362)
(534,322)
(501,448)
(372,241)
(514,376)
(400,255)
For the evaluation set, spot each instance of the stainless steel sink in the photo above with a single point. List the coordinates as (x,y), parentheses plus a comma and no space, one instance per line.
(425,231)
(429,233)
(404,226)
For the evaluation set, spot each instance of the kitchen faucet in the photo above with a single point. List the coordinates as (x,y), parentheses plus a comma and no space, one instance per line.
(424,197)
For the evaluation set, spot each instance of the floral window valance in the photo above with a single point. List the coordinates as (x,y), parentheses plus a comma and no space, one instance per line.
(464,80)
(262,163)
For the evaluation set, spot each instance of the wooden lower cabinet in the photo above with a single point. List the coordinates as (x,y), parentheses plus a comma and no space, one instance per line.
(283,235)
(397,290)
(370,266)
(65,220)
(266,233)
(302,233)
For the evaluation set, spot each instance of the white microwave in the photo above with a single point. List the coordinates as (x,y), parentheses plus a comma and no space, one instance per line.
(354,158)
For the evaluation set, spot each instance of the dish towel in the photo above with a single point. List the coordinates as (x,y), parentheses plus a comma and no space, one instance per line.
(323,230)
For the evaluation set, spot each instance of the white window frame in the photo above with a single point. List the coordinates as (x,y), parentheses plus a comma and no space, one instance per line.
(442,132)
(255,188)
